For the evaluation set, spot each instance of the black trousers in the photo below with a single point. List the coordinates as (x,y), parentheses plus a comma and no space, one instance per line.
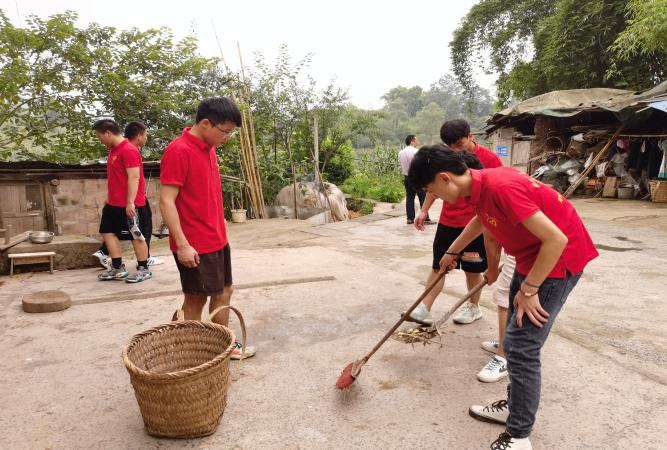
(410,198)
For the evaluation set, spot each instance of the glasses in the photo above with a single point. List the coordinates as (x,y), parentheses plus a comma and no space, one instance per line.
(229,134)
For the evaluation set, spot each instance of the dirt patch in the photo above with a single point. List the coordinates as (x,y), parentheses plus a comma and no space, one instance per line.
(388,385)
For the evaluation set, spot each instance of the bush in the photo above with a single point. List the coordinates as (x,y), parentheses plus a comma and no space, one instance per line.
(377,176)
(382,188)
(363,207)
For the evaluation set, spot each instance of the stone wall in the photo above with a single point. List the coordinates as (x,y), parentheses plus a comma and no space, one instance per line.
(77,204)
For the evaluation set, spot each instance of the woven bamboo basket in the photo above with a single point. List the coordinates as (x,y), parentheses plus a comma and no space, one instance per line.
(180,375)
(658,191)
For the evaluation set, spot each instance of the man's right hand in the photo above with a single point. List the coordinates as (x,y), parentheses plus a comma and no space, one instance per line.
(188,256)
(491,275)
(420,219)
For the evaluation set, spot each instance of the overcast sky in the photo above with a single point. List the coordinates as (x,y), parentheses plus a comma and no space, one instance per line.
(367,47)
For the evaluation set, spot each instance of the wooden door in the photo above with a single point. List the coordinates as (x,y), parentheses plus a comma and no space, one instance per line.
(22,206)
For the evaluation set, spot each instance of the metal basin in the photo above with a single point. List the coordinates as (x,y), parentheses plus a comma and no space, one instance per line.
(41,237)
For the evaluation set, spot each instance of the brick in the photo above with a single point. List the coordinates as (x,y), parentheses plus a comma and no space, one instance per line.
(93,229)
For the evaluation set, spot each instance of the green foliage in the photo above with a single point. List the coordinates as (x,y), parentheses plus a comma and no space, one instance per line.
(55,79)
(377,176)
(364,207)
(375,187)
(537,46)
(415,111)
(645,36)
(340,165)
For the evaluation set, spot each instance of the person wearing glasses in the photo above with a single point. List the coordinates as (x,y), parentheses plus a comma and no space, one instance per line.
(191,205)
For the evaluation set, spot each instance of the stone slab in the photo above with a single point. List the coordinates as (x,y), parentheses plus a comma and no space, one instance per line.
(46,302)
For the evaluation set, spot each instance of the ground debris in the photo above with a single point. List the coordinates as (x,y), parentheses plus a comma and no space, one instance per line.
(417,335)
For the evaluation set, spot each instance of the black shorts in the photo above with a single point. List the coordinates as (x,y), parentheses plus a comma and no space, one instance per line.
(474,255)
(210,277)
(114,220)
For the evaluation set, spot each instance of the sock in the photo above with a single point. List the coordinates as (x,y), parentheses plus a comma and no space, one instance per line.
(143,264)
(116,262)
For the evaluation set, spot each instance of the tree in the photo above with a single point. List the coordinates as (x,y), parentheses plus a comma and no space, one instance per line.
(645,36)
(426,124)
(541,45)
(42,70)
(444,100)
(55,79)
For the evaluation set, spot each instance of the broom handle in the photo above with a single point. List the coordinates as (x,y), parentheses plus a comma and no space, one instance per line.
(429,288)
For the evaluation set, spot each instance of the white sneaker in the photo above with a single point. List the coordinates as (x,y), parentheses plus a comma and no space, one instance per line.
(495,370)
(507,442)
(105,261)
(468,314)
(421,315)
(153,261)
(490,346)
(496,412)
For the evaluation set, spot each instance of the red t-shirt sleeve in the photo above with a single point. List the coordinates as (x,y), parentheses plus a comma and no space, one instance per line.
(130,158)
(516,203)
(173,167)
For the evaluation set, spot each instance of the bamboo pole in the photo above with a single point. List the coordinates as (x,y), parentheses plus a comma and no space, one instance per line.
(597,158)
(250,135)
(246,159)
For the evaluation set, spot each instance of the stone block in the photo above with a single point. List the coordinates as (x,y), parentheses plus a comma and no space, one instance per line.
(72,252)
(92,214)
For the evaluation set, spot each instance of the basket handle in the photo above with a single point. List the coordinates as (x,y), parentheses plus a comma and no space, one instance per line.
(241,321)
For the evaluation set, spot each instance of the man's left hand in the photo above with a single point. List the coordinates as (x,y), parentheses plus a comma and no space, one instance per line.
(130,210)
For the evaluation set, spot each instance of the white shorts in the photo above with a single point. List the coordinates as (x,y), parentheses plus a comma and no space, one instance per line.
(501,288)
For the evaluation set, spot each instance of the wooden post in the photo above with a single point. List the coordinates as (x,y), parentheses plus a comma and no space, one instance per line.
(291,162)
(597,158)
(316,147)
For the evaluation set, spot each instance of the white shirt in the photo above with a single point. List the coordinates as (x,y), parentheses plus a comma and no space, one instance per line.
(405,157)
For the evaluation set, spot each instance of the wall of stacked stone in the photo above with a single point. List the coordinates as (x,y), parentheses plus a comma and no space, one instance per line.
(77,205)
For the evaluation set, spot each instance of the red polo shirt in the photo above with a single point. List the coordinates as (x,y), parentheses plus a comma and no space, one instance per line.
(458,214)
(502,198)
(192,165)
(122,157)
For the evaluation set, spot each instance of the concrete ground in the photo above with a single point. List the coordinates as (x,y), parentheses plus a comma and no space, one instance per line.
(318,297)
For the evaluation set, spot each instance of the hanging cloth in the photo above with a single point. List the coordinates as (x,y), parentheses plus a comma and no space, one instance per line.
(663,167)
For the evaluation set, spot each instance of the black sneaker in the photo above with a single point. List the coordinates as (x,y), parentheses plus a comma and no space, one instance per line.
(410,221)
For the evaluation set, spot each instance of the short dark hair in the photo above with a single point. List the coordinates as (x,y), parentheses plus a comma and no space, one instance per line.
(134,129)
(433,159)
(104,125)
(453,130)
(410,138)
(218,110)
